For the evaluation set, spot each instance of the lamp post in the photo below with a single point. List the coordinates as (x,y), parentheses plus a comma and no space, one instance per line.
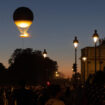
(44,53)
(75,42)
(46,70)
(95,39)
(84,60)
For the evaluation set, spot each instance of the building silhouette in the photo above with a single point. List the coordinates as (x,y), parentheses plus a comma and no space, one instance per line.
(88,65)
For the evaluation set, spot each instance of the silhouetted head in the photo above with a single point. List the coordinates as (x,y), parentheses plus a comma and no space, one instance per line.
(54,89)
(99,77)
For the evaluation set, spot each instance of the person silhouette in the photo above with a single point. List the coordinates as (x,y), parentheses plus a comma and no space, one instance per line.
(23,96)
(56,93)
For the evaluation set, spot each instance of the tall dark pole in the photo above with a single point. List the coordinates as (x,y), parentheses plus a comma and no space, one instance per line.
(95,59)
(75,42)
(99,51)
(84,72)
(88,62)
(76,59)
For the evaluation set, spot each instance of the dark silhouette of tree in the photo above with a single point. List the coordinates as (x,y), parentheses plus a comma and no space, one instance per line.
(3,74)
(30,65)
(2,67)
(102,41)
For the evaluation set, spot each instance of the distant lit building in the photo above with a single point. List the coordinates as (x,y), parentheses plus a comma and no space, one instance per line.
(88,64)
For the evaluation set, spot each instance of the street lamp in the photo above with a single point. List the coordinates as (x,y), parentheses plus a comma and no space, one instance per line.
(75,42)
(95,39)
(84,60)
(44,53)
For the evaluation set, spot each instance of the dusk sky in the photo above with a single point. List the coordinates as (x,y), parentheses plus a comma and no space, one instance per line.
(55,24)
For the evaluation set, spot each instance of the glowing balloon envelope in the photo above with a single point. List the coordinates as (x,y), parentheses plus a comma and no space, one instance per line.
(23,18)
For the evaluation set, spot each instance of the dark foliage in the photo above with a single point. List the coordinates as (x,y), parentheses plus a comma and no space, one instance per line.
(29,65)
(3,74)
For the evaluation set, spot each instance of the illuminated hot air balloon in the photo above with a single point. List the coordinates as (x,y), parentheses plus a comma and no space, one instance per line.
(23,18)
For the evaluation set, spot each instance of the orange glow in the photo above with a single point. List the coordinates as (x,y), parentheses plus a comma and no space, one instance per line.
(24,35)
(56,74)
(23,23)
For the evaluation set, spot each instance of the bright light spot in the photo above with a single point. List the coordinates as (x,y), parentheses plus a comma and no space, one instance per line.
(24,35)
(45,55)
(56,74)
(75,44)
(95,39)
(84,59)
(48,83)
(23,23)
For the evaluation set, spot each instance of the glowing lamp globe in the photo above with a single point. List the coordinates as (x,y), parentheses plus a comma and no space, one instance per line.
(44,53)
(75,42)
(95,36)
